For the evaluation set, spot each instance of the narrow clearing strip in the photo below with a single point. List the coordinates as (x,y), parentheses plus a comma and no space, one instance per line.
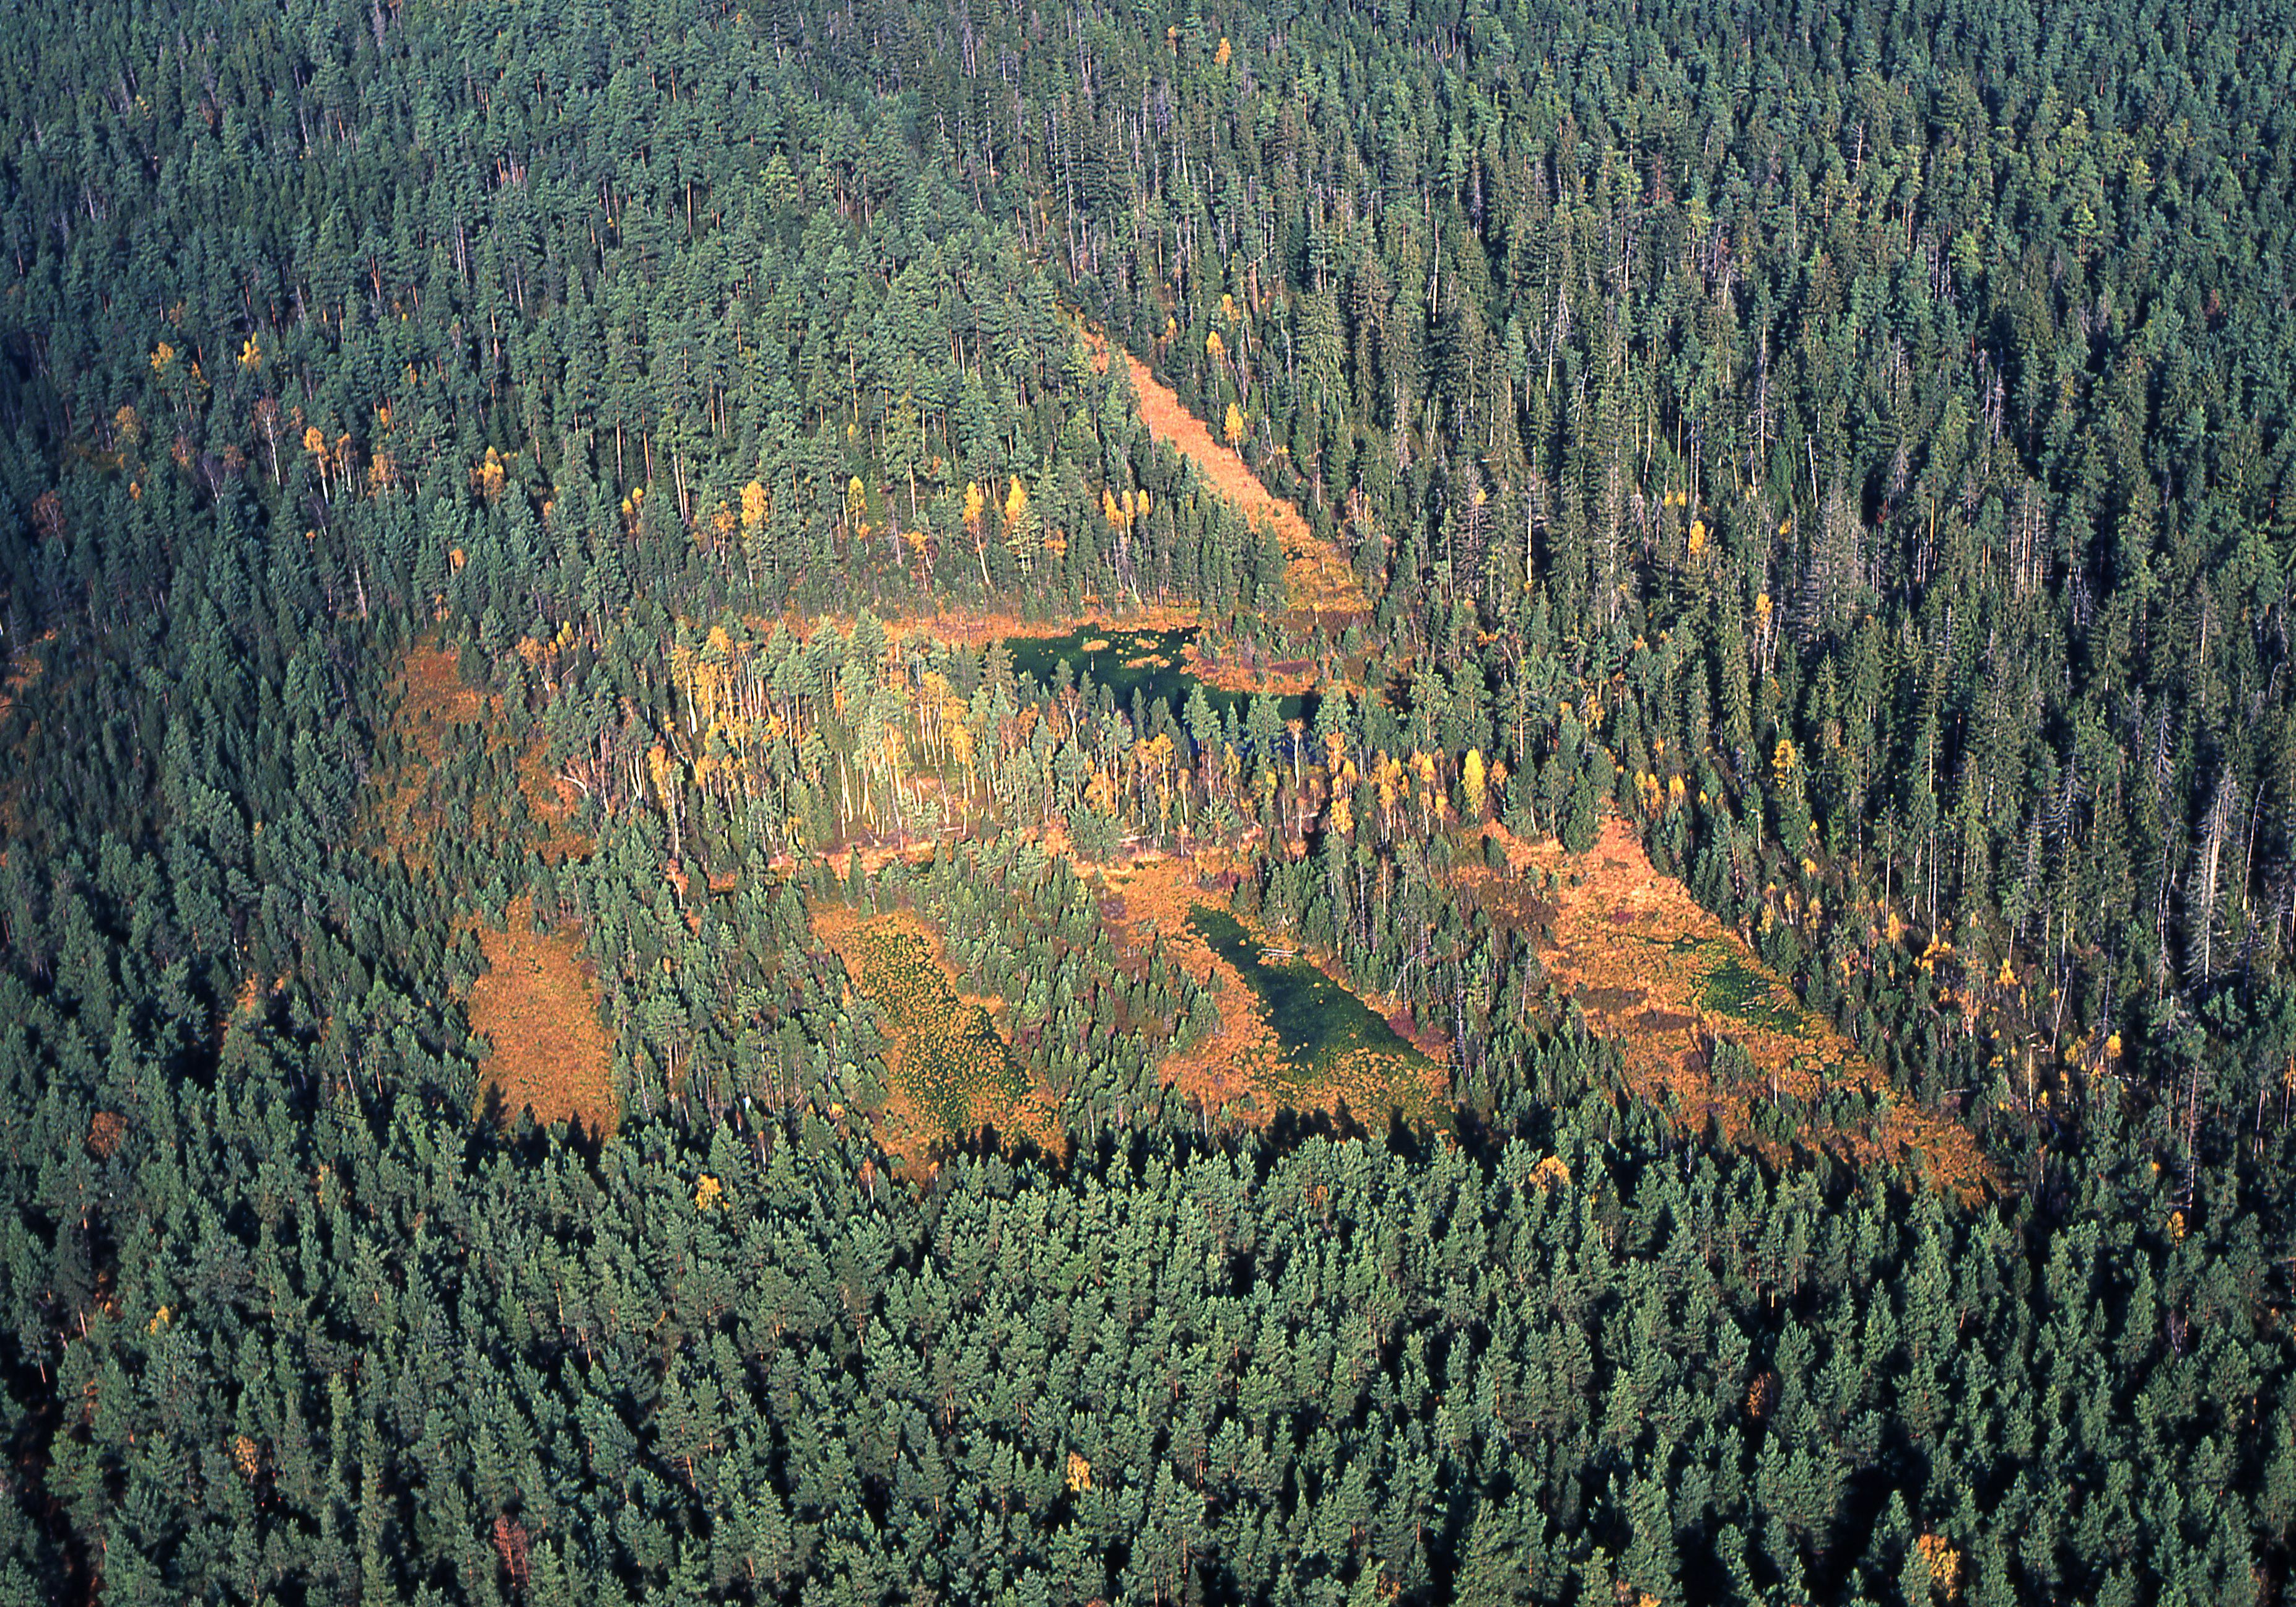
(1317,577)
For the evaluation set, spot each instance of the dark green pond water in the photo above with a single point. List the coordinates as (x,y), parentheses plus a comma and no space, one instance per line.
(1316,1020)
(1151,662)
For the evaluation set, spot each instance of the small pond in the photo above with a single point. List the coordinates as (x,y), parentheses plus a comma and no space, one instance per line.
(1153,663)
(1316,1020)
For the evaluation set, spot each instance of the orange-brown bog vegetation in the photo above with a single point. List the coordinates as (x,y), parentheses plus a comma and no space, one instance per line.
(951,1073)
(977,628)
(1240,1068)
(1318,578)
(1652,969)
(536,1008)
(1147,903)
(1233,671)
(435,707)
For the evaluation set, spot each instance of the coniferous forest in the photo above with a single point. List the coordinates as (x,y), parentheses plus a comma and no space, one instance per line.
(1464,800)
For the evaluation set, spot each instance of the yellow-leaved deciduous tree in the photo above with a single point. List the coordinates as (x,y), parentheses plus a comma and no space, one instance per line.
(1232,428)
(314,443)
(947,717)
(1020,526)
(1214,347)
(1100,791)
(856,508)
(960,749)
(487,476)
(1943,1562)
(1472,784)
(1422,766)
(754,505)
(665,785)
(976,503)
(707,677)
(1387,780)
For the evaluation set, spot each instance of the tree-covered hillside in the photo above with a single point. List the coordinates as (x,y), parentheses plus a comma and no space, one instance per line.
(523,516)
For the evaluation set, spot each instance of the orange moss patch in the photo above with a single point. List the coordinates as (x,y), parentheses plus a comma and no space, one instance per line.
(1227,1069)
(1242,1068)
(875,857)
(431,707)
(1318,578)
(537,1009)
(435,707)
(1652,969)
(977,628)
(433,694)
(1278,678)
(951,1072)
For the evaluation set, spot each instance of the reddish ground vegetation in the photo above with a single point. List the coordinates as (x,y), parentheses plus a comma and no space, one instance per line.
(435,707)
(977,628)
(1228,1069)
(1240,1068)
(1652,969)
(876,856)
(1321,583)
(948,1079)
(433,693)
(537,1009)
(1235,671)
(25,665)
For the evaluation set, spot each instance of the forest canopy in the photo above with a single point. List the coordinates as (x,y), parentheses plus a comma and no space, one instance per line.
(892,802)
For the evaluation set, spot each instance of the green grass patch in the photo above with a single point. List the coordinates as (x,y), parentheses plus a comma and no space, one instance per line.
(1735,989)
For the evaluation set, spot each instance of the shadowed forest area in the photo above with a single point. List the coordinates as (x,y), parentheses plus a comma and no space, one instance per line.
(903,803)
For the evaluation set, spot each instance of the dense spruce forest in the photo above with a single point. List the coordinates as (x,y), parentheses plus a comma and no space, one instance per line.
(574,1029)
